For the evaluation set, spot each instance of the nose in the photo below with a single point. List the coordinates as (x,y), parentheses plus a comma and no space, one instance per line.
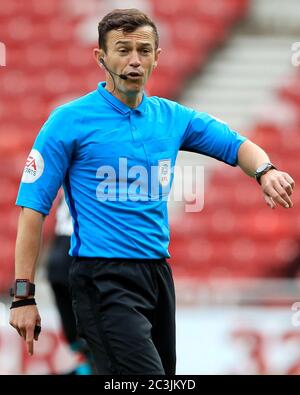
(134,59)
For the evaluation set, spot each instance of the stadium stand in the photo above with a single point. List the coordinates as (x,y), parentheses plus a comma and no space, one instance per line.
(48,64)
(235,235)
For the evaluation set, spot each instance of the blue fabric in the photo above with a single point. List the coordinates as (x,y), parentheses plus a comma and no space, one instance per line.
(80,146)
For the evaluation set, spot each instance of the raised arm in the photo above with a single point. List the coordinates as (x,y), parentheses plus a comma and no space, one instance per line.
(24,319)
(277,186)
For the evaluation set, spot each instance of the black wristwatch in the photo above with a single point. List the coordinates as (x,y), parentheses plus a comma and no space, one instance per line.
(22,289)
(263,169)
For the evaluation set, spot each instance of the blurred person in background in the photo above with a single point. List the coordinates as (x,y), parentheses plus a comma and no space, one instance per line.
(58,262)
(122,286)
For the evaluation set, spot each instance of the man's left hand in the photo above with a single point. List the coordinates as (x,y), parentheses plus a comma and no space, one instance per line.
(277,187)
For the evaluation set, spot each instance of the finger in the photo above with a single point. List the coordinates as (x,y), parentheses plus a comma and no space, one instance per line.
(284,202)
(286,186)
(38,328)
(29,340)
(270,202)
(280,196)
(15,327)
(289,179)
(22,332)
(30,347)
(19,332)
(278,199)
(37,331)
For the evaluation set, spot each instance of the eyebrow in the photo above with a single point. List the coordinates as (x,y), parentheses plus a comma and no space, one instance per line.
(129,42)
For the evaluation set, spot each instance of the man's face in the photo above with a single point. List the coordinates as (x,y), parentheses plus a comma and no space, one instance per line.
(132,54)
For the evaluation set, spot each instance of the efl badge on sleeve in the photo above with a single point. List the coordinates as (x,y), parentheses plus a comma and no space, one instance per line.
(164,172)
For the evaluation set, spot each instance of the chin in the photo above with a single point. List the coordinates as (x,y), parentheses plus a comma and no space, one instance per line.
(134,87)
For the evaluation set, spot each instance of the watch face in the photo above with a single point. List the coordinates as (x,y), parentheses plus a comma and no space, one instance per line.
(22,288)
(262,167)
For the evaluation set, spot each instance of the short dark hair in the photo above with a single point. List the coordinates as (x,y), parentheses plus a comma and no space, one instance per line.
(127,20)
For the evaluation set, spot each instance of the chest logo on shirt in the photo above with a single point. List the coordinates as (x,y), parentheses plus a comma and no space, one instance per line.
(34,167)
(164,172)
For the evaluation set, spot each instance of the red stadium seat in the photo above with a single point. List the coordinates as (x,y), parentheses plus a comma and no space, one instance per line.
(167,9)
(198,34)
(9,218)
(229,10)
(48,65)
(9,9)
(290,92)
(8,192)
(45,9)
(7,247)
(32,8)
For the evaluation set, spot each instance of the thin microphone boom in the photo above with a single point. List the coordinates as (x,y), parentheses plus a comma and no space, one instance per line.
(122,76)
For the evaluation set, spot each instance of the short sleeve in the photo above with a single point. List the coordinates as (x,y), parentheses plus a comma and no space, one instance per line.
(47,163)
(211,137)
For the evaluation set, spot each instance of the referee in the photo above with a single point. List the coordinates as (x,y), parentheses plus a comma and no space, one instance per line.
(113,150)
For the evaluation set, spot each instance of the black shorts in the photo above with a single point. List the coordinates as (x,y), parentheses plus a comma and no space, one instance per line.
(125,310)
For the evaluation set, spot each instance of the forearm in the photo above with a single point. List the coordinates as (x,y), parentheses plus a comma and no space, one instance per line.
(28,243)
(250,157)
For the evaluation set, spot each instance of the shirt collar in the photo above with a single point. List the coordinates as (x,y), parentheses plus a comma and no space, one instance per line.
(120,106)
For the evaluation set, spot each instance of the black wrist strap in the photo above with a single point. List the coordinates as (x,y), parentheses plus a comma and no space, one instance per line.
(23,302)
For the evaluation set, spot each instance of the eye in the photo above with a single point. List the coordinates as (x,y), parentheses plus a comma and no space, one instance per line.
(122,50)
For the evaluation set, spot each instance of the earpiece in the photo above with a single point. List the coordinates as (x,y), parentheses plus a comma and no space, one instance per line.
(122,76)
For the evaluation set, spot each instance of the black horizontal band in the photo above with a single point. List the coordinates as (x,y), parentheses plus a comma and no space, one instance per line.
(23,302)
(118,260)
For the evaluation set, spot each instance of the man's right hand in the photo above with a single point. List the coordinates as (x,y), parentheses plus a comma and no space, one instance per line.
(24,319)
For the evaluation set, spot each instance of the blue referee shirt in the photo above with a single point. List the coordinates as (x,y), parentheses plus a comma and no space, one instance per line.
(115,165)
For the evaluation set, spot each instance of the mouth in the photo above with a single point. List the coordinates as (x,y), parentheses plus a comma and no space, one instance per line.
(134,75)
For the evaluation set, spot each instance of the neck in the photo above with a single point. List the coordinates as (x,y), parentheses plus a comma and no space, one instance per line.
(130,99)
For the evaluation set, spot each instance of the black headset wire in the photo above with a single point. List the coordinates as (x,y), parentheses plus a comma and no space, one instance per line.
(101,60)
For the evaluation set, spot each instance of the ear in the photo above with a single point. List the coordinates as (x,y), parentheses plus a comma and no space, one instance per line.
(98,54)
(157,53)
